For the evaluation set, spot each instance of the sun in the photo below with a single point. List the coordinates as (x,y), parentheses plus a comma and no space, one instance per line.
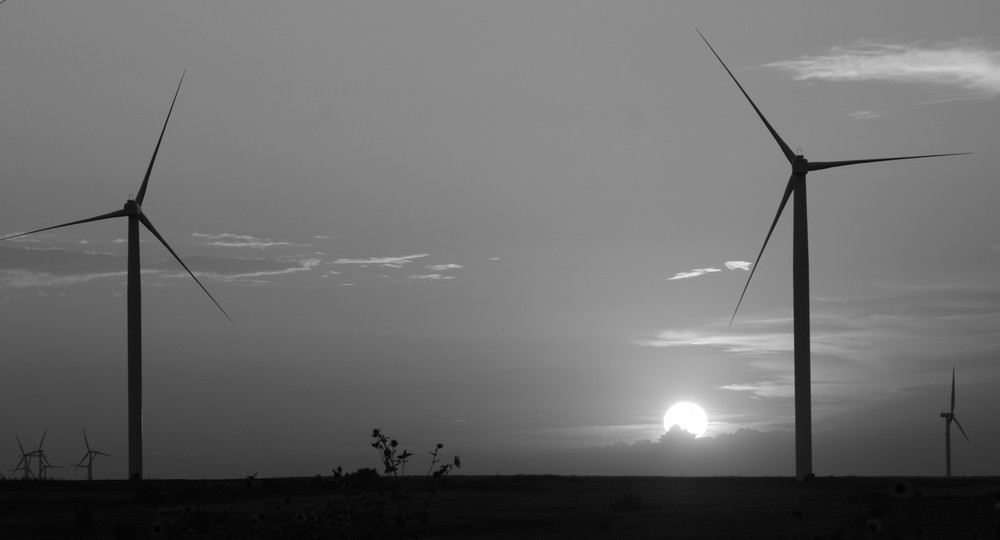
(689,416)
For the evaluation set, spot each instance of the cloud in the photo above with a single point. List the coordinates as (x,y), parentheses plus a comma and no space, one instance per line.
(442,267)
(256,276)
(30,267)
(389,262)
(759,343)
(429,277)
(694,273)
(241,241)
(963,64)
(730,265)
(864,115)
(859,345)
(23,278)
(323,237)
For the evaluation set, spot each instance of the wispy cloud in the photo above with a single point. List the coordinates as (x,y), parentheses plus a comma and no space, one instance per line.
(859,346)
(442,267)
(864,115)
(964,64)
(730,265)
(256,277)
(388,262)
(756,343)
(23,278)
(241,241)
(694,273)
(429,277)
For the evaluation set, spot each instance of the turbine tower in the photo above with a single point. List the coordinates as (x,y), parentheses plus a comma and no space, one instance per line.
(89,458)
(949,417)
(800,275)
(135,214)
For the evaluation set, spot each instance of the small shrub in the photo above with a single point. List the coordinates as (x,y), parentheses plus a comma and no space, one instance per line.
(383,504)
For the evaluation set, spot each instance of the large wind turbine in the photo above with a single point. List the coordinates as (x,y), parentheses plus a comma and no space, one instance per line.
(133,211)
(800,275)
(949,417)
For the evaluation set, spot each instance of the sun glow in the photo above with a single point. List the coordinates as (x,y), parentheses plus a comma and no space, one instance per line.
(689,416)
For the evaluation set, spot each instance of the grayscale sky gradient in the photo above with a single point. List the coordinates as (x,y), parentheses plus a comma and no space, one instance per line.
(515,228)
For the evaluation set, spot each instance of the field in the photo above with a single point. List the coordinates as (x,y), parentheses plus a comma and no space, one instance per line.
(503,507)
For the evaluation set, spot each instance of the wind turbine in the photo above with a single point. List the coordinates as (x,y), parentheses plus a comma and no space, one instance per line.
(43,462)
(133,211)
(800,275)
(89,457)
(950,417)
(24,464)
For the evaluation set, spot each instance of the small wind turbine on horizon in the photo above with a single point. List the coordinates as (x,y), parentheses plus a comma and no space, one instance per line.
(135,214)
(950,417)
(800,274)
(24,464)
(89,458)
(38,453)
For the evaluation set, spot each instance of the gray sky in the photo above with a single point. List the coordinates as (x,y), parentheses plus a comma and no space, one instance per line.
(515,228)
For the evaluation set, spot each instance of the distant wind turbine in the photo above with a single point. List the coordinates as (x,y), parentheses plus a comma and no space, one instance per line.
(39,453)
(800,275)
(24,464)
(89,458)
(950,417)
(133,211)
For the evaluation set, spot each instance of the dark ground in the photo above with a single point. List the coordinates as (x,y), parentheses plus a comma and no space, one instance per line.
(504,507)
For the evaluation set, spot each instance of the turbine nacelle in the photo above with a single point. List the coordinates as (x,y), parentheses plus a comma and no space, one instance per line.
(132,208)
(800,165)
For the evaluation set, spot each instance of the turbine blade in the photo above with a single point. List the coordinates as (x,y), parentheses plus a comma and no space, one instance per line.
(959,424)
(41,442)
(145,181)
(116,213)
(21,446)
(784,147)
(85,441)
(781,207)
(953,391)
(99,453)
(149,225)
(820,165)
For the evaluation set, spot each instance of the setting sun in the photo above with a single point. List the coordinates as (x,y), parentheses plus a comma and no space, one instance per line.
(689,416)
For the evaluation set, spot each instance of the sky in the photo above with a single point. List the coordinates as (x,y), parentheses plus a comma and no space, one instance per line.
(518,229)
